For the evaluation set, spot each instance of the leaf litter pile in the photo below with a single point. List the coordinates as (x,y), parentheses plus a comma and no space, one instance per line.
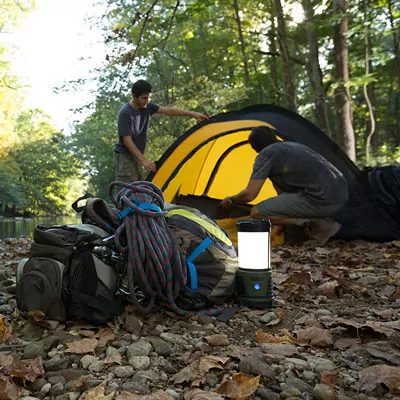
(334,333)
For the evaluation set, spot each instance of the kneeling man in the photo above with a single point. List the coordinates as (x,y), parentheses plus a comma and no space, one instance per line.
(310,189)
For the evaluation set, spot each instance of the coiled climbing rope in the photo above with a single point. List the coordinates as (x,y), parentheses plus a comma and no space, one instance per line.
(155,264)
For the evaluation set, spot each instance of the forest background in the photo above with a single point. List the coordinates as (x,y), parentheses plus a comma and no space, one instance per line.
(336,63)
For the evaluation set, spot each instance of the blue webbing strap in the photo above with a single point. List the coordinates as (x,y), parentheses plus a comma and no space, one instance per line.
(144,206)
(189,261)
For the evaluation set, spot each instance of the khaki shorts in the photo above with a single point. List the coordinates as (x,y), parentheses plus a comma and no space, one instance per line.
(127,168)
(296,205)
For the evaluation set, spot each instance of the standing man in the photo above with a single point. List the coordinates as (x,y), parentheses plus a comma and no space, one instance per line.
(133,125)
(310,189)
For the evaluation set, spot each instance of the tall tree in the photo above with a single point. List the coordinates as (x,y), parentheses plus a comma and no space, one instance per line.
(314,69)
(342,91)
(286,63)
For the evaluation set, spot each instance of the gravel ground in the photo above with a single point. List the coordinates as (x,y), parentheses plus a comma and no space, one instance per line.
(333,334)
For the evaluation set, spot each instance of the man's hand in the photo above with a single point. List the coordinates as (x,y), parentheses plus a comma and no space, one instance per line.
(150,165)
(227,203)
(199,116)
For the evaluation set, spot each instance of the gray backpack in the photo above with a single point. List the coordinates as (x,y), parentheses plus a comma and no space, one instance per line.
(63,278)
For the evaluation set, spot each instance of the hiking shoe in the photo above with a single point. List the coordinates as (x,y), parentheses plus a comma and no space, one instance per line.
(320,230)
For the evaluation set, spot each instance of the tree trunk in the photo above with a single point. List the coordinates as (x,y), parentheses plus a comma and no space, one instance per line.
(204,50)
(342,92)
(365,86)
(242,45)
(284,50)
(314,69)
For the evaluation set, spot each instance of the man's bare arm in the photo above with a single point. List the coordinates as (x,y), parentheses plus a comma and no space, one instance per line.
(248,194)
(136,153)
(177,112)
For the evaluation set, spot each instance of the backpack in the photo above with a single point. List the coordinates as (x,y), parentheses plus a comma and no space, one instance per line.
(63,277)
(210,255)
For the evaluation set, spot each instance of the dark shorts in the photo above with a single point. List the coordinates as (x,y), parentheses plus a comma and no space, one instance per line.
(127,168)
(296,205)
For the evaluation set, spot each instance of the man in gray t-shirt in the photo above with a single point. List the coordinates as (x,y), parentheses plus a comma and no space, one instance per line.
(310,189)
(133,125)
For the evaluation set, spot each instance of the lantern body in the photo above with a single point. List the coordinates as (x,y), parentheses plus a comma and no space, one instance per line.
(254,277)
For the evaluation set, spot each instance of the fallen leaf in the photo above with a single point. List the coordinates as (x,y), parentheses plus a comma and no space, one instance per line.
(27,370)
(307,320)
(198,368)
(299,278)
(322,251)
(5,332)
(387,351)
(158,395)
(40,318)
(209,362)
(240,386)
(329,378)
(105,335)
(329,289)
(8,389)
(97,393)
(199,394)
(80,384)
(345,343)
(114,358)
(218,340)
(315,336)
(373,376)
(83,346)
(264,337)
(383,328)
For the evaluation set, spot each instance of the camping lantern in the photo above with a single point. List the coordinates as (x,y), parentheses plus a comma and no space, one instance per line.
(254,277)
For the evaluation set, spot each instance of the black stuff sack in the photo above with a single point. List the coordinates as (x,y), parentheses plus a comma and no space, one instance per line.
(64,279)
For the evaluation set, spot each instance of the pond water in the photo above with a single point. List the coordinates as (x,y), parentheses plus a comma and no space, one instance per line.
(15,228)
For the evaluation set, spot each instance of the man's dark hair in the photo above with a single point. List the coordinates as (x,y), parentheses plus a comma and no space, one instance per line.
(141,87)
(261,137)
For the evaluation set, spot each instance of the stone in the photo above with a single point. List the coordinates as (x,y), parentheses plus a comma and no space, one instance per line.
(161,347)
(323,392)
(70,374)
(296,383)
(97,366)
(56,363)
(256,364)
(124,371)
(133,324)
(45,389)
(57,389)
(88,360)
(267,394)
(173,338)
(140,362)
(140,348)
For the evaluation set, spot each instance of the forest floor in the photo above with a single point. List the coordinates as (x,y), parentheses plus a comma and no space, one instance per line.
(334,334)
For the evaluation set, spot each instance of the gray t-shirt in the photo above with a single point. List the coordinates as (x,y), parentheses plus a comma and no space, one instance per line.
(134,123)
(293,167)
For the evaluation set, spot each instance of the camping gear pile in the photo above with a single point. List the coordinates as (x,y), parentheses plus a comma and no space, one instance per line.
(140,249)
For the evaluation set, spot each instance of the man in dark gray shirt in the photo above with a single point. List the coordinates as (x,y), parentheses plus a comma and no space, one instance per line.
(310,189)
(133,125)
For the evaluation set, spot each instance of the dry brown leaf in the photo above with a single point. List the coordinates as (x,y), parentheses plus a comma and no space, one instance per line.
(8,389)
(329,289)
(114,358)
(373,376)
(105,335)
(218,340)
(334,272)
(315,336)
(209,362)
(345,343)
(368,327)
(397,294)
(322,251)
(83,346)
(27,370)
(5,332)
(240,387)
(80,384)
(158,395)
(97,393)
(264,337)
(198,368)
(199,394)
(329,378)
(299,278)
(197,382)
